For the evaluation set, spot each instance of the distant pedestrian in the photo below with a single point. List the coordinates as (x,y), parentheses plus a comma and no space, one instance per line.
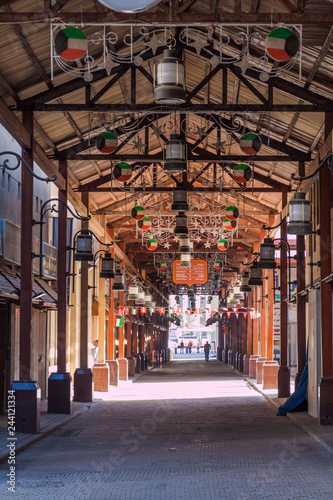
(189,347)
(207,348)
(95,351)
(182,347)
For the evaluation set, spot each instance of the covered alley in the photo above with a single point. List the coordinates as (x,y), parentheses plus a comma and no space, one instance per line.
(190,430)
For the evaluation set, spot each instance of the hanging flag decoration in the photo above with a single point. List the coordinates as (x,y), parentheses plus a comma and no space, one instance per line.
(244,314)
(250,143)
(137,212)
(229,314)
(106,142)
(282,44)
(218,265)
(223,245)
(118,321)
(162,266)
(242,173)
(232,213)
(151,244)
(134,310)
(143,310)
(122,172)
(70,44)
(162,310)
(144,224)
(229,225)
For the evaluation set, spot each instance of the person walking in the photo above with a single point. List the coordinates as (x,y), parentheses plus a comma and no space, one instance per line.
(207,348)
(189,345)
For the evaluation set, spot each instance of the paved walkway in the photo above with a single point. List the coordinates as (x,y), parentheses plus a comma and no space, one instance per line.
(193,431)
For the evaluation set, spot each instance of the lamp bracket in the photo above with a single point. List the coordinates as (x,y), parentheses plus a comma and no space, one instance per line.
(318,263)
(37,255)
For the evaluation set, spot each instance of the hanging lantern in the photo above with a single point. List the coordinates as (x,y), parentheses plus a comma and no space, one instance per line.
(282,44)
(185,245)
(255,275)
(133,292)
(299,215)
(181,224)
(122,172)
(179,198)
(185,260)
(223,245)
(245,287)
(250,143)
(137,213)
(118,281)
(148,299)
(229,225)
(70,44)
(218,265)
(140,301)
(84,244)
(106,142)
(237,293)
(267,254)
(169,79)
(242,173)
(144,224)
(151,244)
(107,267)
(232,213)
(175,155)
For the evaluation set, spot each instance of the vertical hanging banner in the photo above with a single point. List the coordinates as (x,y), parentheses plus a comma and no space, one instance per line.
(196,274)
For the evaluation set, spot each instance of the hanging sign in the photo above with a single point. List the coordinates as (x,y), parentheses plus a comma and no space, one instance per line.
(196,274)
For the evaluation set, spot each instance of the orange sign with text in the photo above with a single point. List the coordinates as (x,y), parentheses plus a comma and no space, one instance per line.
(194,275)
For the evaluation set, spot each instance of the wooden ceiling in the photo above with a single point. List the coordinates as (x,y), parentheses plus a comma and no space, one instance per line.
(287,111)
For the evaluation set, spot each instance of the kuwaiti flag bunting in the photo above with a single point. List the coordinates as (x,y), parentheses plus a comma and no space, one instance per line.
(162,310)
(143,310)
(118,321)
(134,310)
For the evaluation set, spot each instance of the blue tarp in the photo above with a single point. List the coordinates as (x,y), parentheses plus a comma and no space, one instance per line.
(298,397)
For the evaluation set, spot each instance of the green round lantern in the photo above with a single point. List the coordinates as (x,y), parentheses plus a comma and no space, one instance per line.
(137,212)
(144,224)
(70,44)
(229,225)
(282,44)
(250,143)
(232,212)
(122,172)
(223,245)
(106,142)
(151,244)
(242,173)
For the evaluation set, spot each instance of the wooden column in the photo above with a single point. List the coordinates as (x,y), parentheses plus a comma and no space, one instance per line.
(121,304)
(255,323)
(270,315)
(135,338)
(101,313)
(301,299)
(62,276)
(84,299)
(326,382)
(263,318)
(284,373)
(249,346)
(26,261)
(110,355)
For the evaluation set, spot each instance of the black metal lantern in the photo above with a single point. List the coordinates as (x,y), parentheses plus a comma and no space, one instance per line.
(267,254)
(185,245)
(84,243)
(185,260)
(133,292)
(140,301)
(179,198)
(238,295)
(181,224)
(255,275)
(107,267)
(299,215)
(169,79)
(175,155)
(245,287)
(118,281)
